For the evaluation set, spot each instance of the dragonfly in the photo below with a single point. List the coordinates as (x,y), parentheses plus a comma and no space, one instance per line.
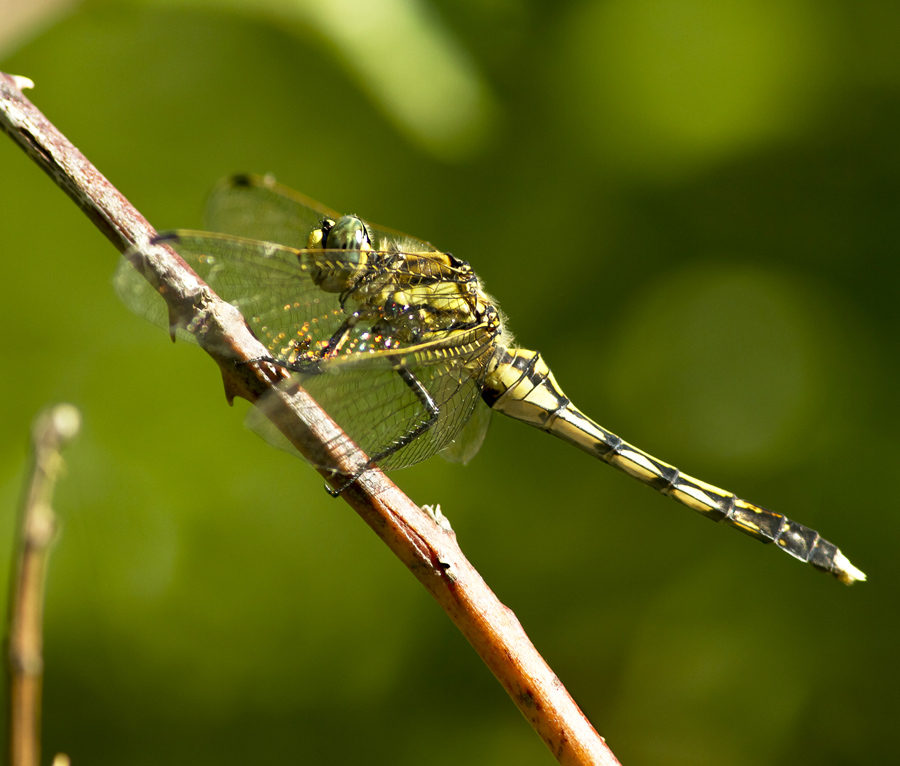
(400,343)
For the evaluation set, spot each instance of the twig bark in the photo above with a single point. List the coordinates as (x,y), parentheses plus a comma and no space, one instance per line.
(36,530)
(426,547)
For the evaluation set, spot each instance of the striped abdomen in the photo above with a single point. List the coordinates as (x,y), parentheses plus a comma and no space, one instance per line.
(520,384)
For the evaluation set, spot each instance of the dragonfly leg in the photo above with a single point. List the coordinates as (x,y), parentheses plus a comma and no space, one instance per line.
(433,413)
(339,337)
(520,384)
(299,360)
(430,407)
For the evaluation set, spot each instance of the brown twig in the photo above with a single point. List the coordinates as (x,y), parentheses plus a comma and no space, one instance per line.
(426,547)
(52,430)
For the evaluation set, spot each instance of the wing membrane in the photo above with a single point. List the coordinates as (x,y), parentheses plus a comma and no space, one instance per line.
(376,408)
(258,207)
(270,284)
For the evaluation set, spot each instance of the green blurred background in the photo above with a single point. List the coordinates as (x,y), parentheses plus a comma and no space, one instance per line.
(690,207)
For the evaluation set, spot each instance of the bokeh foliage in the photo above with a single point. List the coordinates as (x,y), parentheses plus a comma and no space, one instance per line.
(689,207)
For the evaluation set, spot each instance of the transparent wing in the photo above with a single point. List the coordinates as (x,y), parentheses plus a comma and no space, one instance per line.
(379,410)
(468,441)
(258,207)
(270,284)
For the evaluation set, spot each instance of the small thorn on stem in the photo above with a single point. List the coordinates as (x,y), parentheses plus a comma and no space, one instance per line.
(22,83)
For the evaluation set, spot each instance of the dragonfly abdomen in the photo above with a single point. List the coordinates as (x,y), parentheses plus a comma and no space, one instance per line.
(520,384)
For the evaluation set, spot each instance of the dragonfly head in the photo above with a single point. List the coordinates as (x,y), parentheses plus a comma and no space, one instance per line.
(347,233)
(333,271)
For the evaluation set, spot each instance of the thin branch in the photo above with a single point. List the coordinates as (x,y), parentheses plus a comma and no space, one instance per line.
(426,547)
(52,430)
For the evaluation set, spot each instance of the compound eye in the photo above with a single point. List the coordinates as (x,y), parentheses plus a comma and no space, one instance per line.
(347,233)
